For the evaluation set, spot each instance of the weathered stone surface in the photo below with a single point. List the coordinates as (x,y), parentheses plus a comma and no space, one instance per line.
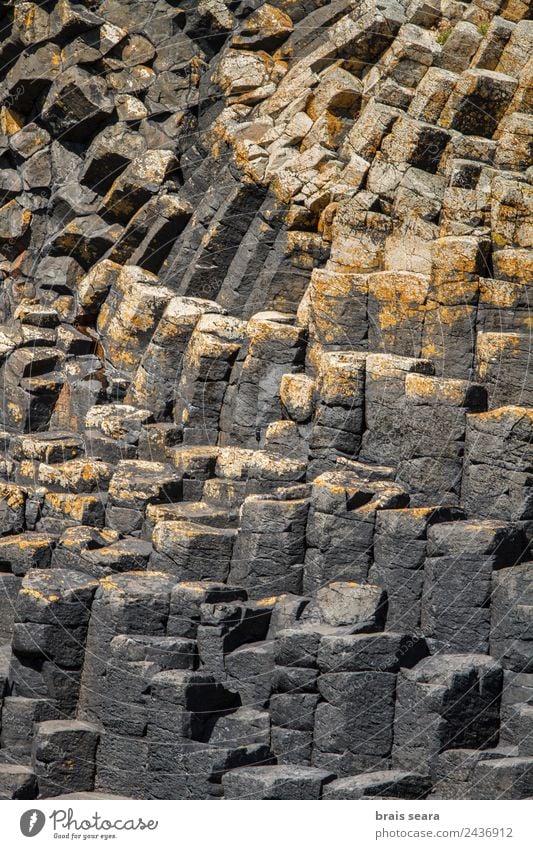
(437,701)
(511,613)
(63,756)
(400,546)
(384,401)
(498,461)
(388,784)
(276,783)
(270,547)
(461,557)
(433,436)
(341,525)
(76,103)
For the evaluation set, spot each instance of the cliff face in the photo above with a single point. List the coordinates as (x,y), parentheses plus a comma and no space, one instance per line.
(265,495)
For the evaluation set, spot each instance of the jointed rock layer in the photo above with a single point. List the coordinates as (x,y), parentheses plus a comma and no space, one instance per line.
(265,497)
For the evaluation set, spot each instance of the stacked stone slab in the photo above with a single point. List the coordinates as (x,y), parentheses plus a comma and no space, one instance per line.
(49,636)
(458,580)
(270,547)
(433,437)
(497,479)
(400,548)
(446,702)
(341,525)
(354,724)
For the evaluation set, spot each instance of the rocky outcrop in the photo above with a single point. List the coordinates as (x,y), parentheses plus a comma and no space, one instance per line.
(266,452)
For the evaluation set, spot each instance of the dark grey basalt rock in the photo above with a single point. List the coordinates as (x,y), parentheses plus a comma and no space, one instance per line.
(389,784)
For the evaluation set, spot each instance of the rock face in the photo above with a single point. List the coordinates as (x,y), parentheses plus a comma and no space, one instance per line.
(266,448)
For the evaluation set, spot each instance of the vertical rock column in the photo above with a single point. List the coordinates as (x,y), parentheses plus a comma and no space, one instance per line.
(156,381)
(252,401)
(433,434)
(64,757)
(354,724)
(49,639)
(340,528)
(131,603)
(207,366)
(450,324)
(384,402)
(400,546)
(498,471)
(511,642)
(295,695)
(129,317)
(446,702)
(338,420)
(457,581)
(270,547)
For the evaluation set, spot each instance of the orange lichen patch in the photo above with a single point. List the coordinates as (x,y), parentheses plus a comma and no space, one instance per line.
(455,257)
(491,347)
(71,474)
(417,512)
(450,315)
(342,376)
(301,245)
(220,130)
(510,411)
(32,543)
(501,294)
(335,125)
(87,472)
(70,505)
(339,489)
(326,130)
(267,602)
(326,299)
(14,496)
(267,21)
(10,121)
(32,593)
(325,221)
(108,584)
(103,316)
(389,365)
(39,596)
(437,389)
(241,154)
(125,357)
(29,17)
(400,296)
(515,264)
(262,330)
(15,412)
(499,241)
(181,529)
(431,351)
(136,317)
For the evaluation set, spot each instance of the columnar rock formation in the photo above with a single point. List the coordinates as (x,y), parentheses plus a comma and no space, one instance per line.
(266,461)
